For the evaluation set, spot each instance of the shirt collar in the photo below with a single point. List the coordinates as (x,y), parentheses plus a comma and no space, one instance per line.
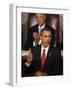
(45,48)
(38,43)
(41,27)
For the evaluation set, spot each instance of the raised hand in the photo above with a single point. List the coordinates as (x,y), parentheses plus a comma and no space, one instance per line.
(29,56)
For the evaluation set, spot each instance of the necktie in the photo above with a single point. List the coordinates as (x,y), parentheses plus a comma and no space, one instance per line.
(43,59)
(39,30)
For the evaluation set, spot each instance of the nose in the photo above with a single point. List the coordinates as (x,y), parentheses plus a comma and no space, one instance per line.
(47,37)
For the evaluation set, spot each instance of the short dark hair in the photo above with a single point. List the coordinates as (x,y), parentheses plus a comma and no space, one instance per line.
(52,32)
(48,29)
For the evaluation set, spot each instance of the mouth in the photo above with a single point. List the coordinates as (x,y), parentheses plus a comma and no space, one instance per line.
(47,42)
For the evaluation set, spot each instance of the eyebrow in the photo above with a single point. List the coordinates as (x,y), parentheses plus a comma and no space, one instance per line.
(48,35)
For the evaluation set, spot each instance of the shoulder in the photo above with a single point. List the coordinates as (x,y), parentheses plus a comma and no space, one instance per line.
(53,30)
(55,50)
(36,49)
(34,27)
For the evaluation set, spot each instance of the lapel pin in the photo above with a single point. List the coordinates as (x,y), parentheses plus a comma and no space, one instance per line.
(49,53)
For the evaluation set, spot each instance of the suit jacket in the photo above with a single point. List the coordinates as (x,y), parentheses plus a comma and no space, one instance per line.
(30,38)
(52,64)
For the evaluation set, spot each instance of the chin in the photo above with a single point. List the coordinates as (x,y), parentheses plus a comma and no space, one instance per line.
(40,24)
(46,45)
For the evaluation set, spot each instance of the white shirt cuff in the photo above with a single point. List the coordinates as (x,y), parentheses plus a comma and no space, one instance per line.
(27,64)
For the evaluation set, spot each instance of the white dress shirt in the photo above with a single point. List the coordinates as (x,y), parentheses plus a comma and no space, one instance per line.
(38,43)
(40,28)
(46,50)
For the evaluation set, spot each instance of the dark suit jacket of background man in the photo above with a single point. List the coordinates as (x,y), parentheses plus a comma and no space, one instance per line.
(30,35)
(52,66)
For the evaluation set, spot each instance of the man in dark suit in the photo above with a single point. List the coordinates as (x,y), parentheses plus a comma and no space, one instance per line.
(41,23)
(45,59)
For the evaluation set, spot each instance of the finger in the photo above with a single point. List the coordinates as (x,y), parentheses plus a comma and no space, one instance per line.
(29,58)
(30,50)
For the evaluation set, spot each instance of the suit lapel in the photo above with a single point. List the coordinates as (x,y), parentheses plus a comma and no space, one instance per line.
(38,58)
(48,58)
(49,54)
(39,51)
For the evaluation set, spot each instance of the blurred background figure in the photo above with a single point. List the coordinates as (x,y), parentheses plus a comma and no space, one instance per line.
(37,40)
(41,23)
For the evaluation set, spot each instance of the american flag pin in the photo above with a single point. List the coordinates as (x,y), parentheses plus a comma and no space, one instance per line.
(49,53)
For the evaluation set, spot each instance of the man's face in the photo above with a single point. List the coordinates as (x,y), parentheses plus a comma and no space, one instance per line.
(40,19)
(46,38)
(36,35)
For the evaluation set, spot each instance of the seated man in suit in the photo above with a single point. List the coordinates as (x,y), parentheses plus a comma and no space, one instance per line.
(45,59)
(41,23)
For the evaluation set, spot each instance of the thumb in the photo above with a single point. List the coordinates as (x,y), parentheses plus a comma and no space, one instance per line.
(29,50)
